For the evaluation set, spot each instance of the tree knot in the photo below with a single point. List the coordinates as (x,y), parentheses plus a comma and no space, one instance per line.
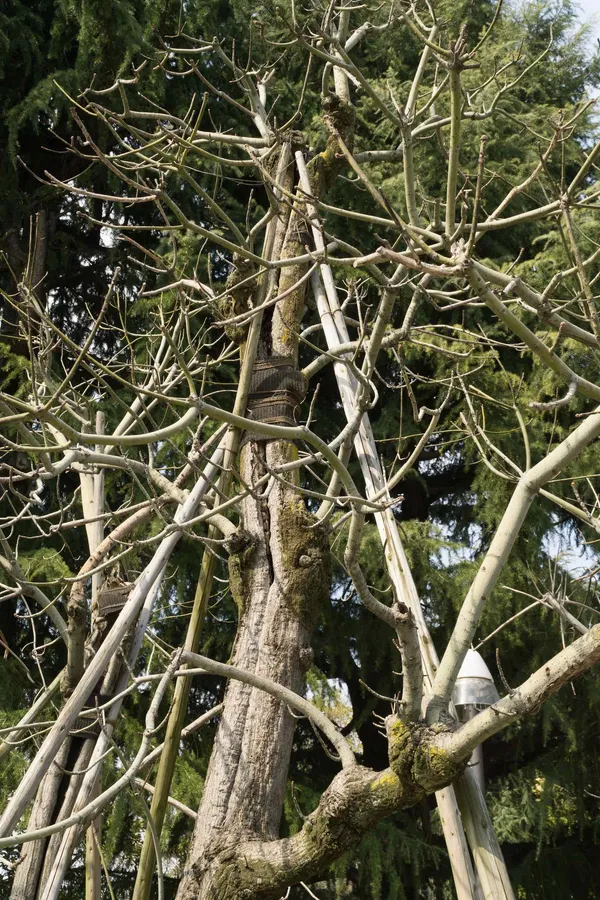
(416,757)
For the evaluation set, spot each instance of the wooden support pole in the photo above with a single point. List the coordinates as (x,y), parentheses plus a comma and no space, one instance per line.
(93,861)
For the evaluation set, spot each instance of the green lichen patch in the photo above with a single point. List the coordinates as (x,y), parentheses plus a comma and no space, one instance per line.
(241,552)
(304,546)
(416,758)
(240,287)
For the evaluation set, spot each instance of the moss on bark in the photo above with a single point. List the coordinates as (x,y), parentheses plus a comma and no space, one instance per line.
(241,551)
(416,759)
(240,286)
(304,546)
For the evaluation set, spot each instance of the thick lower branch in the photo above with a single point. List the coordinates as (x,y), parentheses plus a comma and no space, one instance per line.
(423,759)
(529,697)
(355,801)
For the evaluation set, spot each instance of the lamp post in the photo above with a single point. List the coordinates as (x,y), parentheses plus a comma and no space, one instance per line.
(474,691)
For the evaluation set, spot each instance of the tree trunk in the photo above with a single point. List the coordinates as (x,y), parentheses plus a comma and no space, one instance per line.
(279,581)
(27,875)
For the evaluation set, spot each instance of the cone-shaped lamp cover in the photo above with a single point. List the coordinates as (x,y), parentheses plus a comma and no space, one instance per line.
(474,685)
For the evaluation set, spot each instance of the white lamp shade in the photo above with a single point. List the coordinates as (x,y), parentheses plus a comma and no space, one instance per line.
(474,685)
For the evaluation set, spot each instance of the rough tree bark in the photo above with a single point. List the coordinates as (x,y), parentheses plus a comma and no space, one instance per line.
(279,581)
(280,576)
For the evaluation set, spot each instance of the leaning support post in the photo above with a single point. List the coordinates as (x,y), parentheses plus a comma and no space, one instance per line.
(487,853)
(336,333)
(93,861)
(86,792)
(168,757)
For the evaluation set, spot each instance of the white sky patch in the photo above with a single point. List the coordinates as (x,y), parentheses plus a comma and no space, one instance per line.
(107,237)
(574,556)
(589,14)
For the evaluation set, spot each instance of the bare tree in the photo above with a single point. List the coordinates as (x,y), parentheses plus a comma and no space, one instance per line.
(261,480)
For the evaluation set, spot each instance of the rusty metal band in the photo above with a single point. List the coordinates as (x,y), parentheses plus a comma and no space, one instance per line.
(112,598)
(277,390)
(87,724)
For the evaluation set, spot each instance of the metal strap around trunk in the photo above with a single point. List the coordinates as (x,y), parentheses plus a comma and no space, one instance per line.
(113,597)
(87,724)
(277,373)
(277,390)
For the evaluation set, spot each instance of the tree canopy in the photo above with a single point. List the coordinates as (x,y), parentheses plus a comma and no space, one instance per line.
(437,162)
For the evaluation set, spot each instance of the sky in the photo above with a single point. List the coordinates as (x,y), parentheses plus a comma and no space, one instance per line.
(590,10)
